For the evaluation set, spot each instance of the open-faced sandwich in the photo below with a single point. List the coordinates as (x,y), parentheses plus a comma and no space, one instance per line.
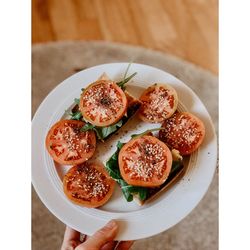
(105,106)
(144,166)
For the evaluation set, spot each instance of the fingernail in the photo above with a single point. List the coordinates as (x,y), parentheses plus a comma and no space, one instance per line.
(112,224)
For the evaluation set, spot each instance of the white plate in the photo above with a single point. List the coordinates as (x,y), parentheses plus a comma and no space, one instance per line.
(135,222)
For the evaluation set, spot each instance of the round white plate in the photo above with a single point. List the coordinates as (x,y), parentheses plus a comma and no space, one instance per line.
(135,222)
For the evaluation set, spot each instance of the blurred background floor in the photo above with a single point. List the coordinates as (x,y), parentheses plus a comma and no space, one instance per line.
(184,28)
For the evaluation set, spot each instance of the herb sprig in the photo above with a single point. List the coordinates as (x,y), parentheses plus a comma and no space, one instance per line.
(126,79)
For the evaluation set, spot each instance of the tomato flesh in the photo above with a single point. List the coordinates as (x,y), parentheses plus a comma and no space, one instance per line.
(184,132)
(145,161)
(103,103)
(88,184)
(68,145)
(159,102)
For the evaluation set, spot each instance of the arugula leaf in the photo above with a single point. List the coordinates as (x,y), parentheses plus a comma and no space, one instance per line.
(77,101)
(76,116)
(102,132)
(106,131)
(119,145)
(87,127)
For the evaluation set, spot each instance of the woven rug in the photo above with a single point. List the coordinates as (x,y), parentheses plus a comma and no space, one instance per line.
(52,63)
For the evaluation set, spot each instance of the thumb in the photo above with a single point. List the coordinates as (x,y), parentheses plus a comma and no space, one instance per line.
(102,236)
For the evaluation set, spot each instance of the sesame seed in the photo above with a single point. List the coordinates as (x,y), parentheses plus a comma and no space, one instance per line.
(88,182)
(148,161)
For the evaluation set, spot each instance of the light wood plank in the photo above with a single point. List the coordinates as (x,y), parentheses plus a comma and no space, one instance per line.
(41,25)
(185,28)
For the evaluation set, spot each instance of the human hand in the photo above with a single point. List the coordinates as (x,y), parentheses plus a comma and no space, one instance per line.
(101,240)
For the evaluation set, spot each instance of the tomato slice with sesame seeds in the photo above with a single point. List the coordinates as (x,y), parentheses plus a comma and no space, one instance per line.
(145,161)
(103,103)
(159,102)
(184,132)
(68,145)
(88,184)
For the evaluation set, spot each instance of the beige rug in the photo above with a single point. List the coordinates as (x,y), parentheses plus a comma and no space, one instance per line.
(52,63)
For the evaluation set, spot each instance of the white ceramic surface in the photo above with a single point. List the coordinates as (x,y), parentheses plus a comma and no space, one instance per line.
(135,222)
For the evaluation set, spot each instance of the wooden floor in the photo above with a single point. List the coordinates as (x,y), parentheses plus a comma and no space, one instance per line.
(185,28)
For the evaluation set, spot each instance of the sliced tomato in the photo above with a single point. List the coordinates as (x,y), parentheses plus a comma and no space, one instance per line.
(145,161)
(68,145)
(184,132)
(88,185)
(103,103)
(159,102)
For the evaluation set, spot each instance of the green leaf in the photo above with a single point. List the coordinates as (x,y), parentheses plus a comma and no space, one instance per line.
(122,83)
(77,101)
(126,71)
(102,132)
(106,131)
(119,145)
(176,165)
(87,127)
(125,78)
(143,194)
(76,116)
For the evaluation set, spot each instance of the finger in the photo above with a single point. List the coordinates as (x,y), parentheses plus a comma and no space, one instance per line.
(83,237)
(71,239)
(71,234)
(109,246)
(124,245)
(102,236)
